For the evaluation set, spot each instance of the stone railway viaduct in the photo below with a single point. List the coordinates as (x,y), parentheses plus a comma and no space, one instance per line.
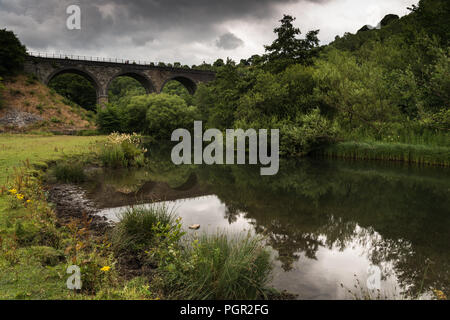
(101,73)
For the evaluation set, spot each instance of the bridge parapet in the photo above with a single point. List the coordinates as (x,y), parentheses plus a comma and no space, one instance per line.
(101,73)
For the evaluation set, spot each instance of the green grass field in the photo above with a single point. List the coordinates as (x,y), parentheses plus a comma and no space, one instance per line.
(37,149)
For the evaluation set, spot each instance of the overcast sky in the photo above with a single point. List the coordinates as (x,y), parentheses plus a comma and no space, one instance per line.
(188,31)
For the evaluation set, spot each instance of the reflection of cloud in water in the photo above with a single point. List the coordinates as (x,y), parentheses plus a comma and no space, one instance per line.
(319,277)
(207,211)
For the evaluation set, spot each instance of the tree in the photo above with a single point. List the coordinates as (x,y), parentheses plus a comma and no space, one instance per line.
(122,87)
(174,87)
(219,63)
(287,49)
(12,53)
(165,113)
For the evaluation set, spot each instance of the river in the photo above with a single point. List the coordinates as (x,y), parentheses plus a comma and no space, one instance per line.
(326,222)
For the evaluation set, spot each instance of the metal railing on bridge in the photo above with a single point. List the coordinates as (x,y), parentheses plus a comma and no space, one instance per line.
(97,59)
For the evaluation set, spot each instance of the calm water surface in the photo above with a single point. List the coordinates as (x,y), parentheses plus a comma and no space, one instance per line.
(325,222)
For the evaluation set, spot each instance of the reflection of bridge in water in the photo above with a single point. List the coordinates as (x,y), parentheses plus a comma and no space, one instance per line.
(151,191)
(101,72)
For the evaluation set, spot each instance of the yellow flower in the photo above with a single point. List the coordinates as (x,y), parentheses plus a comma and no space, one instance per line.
(105,268)
(19,196)
(28,201)
(440,295)
(13,191)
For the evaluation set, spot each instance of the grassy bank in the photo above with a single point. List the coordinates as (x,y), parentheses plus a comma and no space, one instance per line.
(30,267)
(36,250)
(207,267)
(409,153)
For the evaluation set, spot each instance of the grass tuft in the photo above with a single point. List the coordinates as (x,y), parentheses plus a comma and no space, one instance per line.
(69,172)
(135,232)
(219,267)
(419,154)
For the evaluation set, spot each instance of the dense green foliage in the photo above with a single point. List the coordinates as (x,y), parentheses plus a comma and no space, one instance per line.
(12,53)
(166,113)
(174,87)
(122,88)
(155,114)
(387,85)
(77,89)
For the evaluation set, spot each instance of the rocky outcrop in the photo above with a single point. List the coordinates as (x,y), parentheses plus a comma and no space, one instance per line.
(19,119)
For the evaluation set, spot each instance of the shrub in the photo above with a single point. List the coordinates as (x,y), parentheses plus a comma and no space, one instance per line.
(109,119)
(134,116)
(69,172)
(166,113)
(216,267)
(311,131)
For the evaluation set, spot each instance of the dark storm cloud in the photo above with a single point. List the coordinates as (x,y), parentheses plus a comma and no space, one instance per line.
(191,30)
(106,21)
(229,41)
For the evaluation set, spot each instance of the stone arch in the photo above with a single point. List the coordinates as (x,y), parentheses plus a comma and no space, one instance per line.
(145,81)
(84,73)
(187,82)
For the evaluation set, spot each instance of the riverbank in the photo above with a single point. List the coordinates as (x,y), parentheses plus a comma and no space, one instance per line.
(400,152)
(36,246)
(40,239)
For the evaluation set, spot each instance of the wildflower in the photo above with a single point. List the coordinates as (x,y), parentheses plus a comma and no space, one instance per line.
(440,295)
(28,201)
(105,268)
(13,191)
(19,196)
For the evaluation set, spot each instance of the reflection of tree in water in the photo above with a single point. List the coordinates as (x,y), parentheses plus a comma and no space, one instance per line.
(306,207)
(288,244)
(231,212)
